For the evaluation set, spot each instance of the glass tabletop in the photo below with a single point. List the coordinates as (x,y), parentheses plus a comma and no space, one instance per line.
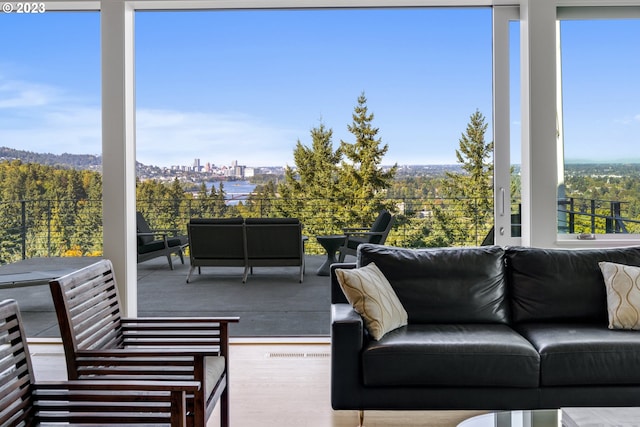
(532,418)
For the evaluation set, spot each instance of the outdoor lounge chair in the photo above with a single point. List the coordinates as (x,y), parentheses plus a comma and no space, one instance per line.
(23,401)
(154,243)
(99,343)
(376,234)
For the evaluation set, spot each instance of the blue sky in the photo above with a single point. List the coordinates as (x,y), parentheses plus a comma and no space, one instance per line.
(247,85)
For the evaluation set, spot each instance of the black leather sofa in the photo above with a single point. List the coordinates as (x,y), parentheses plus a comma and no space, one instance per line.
(489,328)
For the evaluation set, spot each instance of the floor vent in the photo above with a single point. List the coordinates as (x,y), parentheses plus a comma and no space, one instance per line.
(297,355)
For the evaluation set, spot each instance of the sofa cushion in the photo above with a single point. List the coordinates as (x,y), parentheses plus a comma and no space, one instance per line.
(578,354)
(371,295)
(157,245)
(489,355)
(274,239)
(561,284)
(448,285)
(623,295)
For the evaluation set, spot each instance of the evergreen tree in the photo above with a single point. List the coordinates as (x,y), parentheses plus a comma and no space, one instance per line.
(219,207)
(201,208)
(363,181)
(309,190)
(471,191)
(260,203)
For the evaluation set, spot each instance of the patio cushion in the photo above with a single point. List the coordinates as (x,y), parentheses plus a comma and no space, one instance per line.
(157,245)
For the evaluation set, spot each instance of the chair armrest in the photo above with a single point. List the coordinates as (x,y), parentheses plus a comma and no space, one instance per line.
(161,235)
(168,354)
(180,320)
(150,234)
(172,231)
(364,233)
(119,385)
(354,229)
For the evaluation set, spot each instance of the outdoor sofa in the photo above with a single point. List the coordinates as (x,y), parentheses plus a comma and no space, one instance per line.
(247,243)
(487,328)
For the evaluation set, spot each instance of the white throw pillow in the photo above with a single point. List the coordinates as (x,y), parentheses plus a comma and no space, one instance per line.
(372,296)
(623,295)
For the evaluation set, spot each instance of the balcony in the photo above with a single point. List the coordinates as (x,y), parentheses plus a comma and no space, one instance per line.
(272,302)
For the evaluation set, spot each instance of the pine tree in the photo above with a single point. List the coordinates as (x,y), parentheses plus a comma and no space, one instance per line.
(471,190)
(309,190)
(218,199)
(363,181)
(260,202)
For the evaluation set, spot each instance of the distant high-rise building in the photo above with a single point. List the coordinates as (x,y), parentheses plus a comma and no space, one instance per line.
(196,165)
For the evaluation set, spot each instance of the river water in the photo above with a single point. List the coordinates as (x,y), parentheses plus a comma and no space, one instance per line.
(234,190)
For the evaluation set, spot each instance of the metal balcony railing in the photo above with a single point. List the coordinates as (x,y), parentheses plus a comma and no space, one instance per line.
(32,228)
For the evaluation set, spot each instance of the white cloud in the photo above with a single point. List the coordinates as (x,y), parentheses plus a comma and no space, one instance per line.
(164,137)
(41,118)
(19,94)
(168,137)
(627,120)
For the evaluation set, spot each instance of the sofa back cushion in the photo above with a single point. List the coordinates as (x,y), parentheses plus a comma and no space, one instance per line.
(561,284)
(274,238)
(216,238)
(444,285)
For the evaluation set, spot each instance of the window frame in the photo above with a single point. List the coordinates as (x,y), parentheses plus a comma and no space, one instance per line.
(588,13)
(502,17)
(539,219)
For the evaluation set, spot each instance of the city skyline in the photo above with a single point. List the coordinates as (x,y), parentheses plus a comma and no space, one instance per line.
(251,84)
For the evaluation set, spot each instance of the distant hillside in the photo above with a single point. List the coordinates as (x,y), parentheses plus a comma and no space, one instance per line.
(65,160)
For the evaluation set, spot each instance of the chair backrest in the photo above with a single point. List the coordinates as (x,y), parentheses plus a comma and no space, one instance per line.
(219,238)
(274,238)
(383,223)
(143,227)
(88,308)
(16,371)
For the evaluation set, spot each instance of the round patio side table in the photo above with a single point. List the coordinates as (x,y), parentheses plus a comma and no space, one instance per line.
(330,244)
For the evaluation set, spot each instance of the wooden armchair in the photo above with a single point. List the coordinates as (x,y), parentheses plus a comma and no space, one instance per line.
(23,401)
(377,233)
(153,243)
(100,343)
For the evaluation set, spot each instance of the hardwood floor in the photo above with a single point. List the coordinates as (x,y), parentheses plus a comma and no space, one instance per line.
(278,383)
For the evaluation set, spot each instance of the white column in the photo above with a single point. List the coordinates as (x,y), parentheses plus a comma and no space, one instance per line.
(501,126)
(539,161)
(118,148)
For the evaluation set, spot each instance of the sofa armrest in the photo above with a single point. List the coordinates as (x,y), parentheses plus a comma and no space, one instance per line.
(346,322)
(337,296)
(347,340)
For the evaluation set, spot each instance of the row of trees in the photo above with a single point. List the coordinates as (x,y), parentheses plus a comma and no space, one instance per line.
(58,211)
